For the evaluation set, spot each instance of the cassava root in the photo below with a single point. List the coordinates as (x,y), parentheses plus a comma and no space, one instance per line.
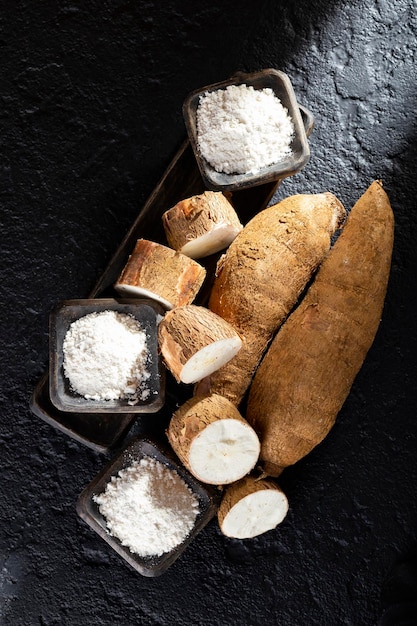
(261,275)
(307,372)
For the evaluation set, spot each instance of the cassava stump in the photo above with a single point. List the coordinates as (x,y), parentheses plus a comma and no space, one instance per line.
(213,440)
(158,272)
(251,507)
(201,225)
(194,342)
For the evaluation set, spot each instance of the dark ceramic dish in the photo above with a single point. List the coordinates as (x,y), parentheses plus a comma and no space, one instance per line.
(63,397)
(138,448)
(300,151)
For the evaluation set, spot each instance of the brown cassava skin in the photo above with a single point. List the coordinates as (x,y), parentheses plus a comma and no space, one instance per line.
(186,330)
(261,276)
(193,417)
(237,491)
(309,368)
(159,269)
(196,216)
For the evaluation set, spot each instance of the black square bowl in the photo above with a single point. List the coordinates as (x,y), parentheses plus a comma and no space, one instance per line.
(147,313)
(281,85)
(138,448)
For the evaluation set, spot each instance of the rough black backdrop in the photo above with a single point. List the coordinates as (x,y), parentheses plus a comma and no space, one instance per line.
(90,117)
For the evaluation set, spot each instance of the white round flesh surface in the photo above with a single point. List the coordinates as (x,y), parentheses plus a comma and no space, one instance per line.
(209,359)
(218,238)
(255,514)
(135,292)
(225,451)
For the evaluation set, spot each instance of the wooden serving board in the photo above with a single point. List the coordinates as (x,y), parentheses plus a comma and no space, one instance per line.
(181,180)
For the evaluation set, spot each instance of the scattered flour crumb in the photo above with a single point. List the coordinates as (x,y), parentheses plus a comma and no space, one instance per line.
(240,129)
(148,507)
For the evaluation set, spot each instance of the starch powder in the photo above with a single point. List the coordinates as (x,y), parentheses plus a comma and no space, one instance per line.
(240,129)
(105,356)
(148,507)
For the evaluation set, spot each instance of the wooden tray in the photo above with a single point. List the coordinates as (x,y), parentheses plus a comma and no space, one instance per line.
(182,179)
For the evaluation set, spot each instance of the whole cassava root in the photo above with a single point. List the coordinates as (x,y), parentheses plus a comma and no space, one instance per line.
(213,440)
(250,507)
(195,342)
(310,366)
(261,275)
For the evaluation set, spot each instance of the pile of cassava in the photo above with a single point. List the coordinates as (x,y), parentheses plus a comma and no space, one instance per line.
(273,352)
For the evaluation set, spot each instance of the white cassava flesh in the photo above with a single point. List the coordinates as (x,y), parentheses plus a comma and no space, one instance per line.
(131,291)
(201,225)
(219,237)
(213,441)
(251,507)
(210,358)
(195,342)
(223,452)
(158,272)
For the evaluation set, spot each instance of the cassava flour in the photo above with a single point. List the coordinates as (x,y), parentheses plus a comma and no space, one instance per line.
(241,129)
(148,507)
(105,356)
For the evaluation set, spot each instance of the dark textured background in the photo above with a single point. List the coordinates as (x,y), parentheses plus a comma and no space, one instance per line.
(91,96)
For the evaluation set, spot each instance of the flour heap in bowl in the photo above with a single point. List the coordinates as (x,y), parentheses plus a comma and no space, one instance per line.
(105,357)
(241,130)
(148,507)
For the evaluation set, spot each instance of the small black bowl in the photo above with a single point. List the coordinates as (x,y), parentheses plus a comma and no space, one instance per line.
(137,449)
(300,150)
(147,313)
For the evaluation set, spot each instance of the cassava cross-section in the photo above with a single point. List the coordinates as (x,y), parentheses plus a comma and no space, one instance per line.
(250,507)
(213,441)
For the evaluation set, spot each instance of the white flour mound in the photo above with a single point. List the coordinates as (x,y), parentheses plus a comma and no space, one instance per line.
(240,129)
(105,356)
(148,507)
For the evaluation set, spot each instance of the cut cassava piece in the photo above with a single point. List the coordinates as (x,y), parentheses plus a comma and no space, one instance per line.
(260,277)
(250,507)
(201,225)
(213,440)
(158,272)
(195,342)
(309,368)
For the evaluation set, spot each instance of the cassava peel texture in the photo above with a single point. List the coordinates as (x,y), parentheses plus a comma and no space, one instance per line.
(309,368)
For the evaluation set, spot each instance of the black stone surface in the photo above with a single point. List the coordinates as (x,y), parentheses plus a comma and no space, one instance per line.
(91,95)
